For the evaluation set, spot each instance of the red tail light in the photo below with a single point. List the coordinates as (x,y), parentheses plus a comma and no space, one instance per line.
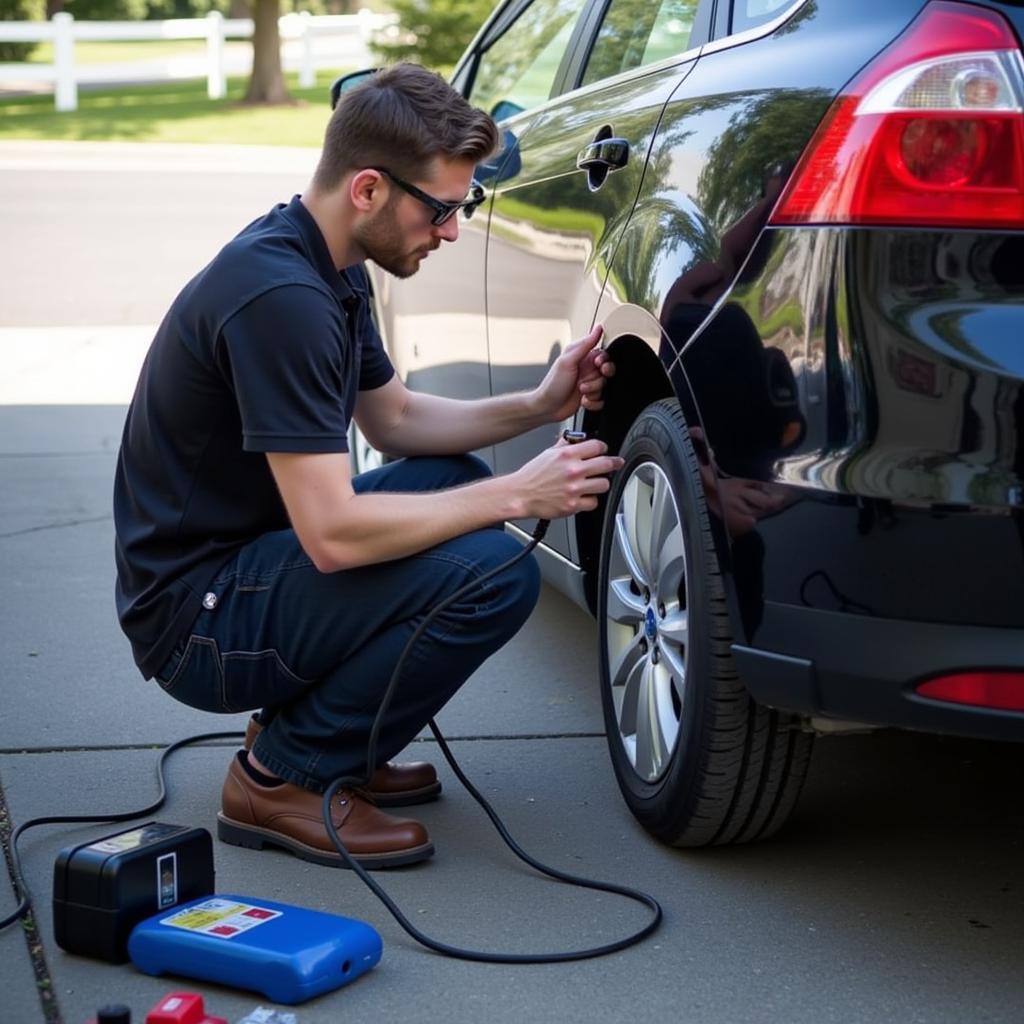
(1003,690)
(930,133)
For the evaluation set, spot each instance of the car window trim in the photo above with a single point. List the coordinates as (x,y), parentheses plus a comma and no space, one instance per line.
(580,46)
(498,22)
(720,21)
(496,27)
(701,33)
(729,39)
(505,17)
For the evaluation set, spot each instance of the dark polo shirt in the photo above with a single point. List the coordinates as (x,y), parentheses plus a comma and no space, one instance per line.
(263,351)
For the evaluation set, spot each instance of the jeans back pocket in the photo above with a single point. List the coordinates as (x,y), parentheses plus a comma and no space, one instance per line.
(196,679)
(256,679)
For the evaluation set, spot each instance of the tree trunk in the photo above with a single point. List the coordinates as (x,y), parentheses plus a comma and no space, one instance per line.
(267,82)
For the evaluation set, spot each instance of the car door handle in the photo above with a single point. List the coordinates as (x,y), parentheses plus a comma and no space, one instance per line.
(607,154)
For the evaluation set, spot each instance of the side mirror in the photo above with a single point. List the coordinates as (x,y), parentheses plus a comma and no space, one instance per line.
(507,161)
(349,81)
(504,109)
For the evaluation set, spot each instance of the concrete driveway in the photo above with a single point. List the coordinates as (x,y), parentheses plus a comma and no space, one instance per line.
(895,894)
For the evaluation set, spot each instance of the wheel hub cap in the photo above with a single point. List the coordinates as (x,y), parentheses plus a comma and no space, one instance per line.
(651,625)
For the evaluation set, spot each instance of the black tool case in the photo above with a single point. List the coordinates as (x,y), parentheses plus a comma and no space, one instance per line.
(103,888)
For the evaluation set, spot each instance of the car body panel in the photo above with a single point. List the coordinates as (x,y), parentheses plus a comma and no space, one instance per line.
(911,387)
(866,385)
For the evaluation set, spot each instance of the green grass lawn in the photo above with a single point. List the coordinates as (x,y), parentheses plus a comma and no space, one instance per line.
(172,112)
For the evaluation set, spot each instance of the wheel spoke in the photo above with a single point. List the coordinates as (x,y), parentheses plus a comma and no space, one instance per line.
(674,656)
(624,606)
(625,542)
(631,670)
(642,728)
(624,658)
(650,743)
(671,565)
(675,627)
(636,523)
(668,721)
(663,519)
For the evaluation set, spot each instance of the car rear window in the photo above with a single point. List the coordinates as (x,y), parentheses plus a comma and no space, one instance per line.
(750,13)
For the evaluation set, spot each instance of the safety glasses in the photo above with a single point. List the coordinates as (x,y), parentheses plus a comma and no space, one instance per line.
(443,209)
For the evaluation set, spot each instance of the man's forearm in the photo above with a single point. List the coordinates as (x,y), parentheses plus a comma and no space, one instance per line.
(342,529)
(432,425)
(380,527)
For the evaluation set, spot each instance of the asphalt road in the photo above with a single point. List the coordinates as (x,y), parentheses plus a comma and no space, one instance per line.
(894,895)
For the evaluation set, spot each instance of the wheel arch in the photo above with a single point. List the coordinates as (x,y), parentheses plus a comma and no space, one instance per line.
(646,371)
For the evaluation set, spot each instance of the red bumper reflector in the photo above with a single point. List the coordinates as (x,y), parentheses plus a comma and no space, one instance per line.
(1002,690)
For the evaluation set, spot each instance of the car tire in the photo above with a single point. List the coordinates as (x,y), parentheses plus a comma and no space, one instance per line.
(698,761)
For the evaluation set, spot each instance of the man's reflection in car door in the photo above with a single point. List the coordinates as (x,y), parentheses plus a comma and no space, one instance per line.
(552,237)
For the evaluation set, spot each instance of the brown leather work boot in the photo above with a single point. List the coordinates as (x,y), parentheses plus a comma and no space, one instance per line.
(291,817)
(392,785)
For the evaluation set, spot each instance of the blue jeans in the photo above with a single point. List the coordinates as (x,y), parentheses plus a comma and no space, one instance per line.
(316,650)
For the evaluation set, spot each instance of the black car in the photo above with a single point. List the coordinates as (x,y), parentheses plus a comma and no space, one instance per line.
(802,226)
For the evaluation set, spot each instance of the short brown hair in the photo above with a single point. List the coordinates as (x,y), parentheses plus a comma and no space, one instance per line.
(400,118)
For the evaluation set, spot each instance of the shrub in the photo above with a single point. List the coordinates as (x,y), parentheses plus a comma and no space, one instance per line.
(20,10)
(106,10)
(433,32)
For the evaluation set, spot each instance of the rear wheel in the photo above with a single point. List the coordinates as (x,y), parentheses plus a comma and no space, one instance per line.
(697,760)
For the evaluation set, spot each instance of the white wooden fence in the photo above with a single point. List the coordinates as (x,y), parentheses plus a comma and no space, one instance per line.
(63,31)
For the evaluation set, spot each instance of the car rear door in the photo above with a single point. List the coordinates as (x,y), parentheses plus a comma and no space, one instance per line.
(564,197)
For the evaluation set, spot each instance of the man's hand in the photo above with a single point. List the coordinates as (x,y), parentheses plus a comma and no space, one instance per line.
(576,378)
(565,479)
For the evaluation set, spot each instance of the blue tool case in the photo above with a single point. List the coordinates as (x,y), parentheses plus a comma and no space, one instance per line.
(289,954)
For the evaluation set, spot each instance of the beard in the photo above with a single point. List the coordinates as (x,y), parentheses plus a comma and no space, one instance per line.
(382,241)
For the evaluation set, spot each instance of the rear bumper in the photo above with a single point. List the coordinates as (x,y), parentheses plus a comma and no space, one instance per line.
(864,669)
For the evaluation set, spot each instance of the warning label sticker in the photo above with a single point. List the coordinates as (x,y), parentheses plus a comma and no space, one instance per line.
(135,838)
(223,918)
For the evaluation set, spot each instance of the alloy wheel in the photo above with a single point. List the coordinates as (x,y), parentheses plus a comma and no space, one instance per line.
(647,621)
